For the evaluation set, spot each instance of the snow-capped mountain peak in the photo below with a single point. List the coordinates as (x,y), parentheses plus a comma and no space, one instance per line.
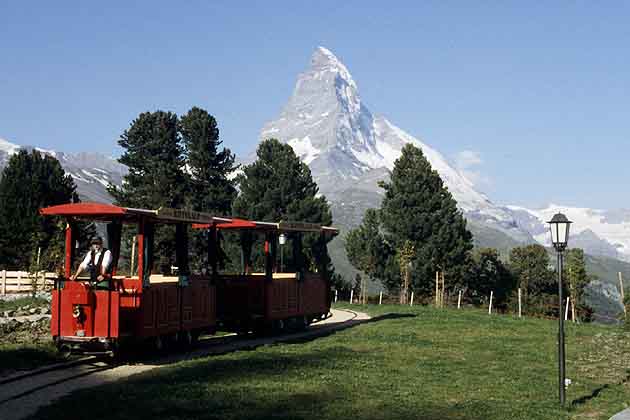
(348,148)
(323,60)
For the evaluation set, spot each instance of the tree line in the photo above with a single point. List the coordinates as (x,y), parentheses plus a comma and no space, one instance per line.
(418,231)
(173,161)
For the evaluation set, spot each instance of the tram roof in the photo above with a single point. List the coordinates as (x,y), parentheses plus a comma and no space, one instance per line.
(100,211)
(242,224)
(199,220)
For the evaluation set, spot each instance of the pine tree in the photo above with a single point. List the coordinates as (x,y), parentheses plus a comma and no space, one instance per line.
(364,244)
(418,208)
(279,187)
(29,182)
(489,274)
(211,189)
(154,157)
(530,266)
(577,279)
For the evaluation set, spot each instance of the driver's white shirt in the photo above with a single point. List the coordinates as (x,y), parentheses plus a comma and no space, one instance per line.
(107,259)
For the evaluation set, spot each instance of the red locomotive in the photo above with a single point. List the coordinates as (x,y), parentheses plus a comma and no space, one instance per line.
(153,304)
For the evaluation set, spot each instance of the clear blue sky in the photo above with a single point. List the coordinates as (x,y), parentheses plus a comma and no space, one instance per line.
(538,90)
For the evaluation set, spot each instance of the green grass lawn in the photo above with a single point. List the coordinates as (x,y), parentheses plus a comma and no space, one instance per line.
(418,362)
(24,349)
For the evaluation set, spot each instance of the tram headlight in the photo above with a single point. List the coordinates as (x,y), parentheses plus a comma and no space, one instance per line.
(76,311)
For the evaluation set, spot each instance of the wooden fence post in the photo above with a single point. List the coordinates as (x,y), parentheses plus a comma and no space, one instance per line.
(437,287)
(351,295)
(519,302)
(490,305)
(4,282)
(380,298)
(459,299)
(411,302)
(566,310)
(443,291)
(623,303)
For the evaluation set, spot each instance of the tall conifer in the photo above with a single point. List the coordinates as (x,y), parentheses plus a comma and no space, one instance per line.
(418,207)
(278,186)
(154,156)
(418,211)
(29,182)
(211,189)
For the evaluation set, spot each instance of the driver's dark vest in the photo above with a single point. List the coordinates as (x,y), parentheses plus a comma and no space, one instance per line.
(96,269)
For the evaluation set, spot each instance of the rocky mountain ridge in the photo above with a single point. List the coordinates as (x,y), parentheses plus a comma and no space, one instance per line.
(92,172)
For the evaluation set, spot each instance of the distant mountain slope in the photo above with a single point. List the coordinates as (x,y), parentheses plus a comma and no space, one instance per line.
(92,172)
(599,232)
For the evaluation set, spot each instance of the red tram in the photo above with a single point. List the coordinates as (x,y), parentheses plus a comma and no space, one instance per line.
(150,303)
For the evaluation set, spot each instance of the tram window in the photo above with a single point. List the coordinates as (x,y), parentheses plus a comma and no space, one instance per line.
(231,258)
(84,232)
(229,253)
(198,262)
(164,251)
(128,260)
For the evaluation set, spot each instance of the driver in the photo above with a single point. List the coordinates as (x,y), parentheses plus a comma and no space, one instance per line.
(97,261)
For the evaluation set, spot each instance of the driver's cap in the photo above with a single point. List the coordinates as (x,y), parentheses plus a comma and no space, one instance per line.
(96,240)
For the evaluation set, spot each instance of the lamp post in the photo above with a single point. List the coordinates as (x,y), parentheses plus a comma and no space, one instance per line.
(559,227)
(282,239)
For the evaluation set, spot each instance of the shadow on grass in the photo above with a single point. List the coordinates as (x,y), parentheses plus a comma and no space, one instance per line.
(344,326)
(16,358)
(597,391)
(298,385)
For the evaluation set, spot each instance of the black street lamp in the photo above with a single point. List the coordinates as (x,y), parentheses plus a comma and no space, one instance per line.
(559,226)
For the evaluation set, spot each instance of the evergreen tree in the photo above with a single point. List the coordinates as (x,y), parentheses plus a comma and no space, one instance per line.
(364,245)
(418,208)
(279,187)
(211,189)
(154,156)
(29,182)
(577,279)
(530,266)
(488,273)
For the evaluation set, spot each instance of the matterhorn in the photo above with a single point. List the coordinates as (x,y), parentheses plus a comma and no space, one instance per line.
(349,149)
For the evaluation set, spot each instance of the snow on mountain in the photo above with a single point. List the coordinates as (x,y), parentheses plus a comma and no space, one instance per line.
(599,232)
(349,149)
(8,148)
(92,172)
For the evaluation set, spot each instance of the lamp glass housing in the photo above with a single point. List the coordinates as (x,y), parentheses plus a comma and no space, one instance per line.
(559,227)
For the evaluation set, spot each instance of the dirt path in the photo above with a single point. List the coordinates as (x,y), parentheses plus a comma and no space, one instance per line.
(24,406)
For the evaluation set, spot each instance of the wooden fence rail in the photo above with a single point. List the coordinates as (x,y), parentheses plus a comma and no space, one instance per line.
(23,281)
